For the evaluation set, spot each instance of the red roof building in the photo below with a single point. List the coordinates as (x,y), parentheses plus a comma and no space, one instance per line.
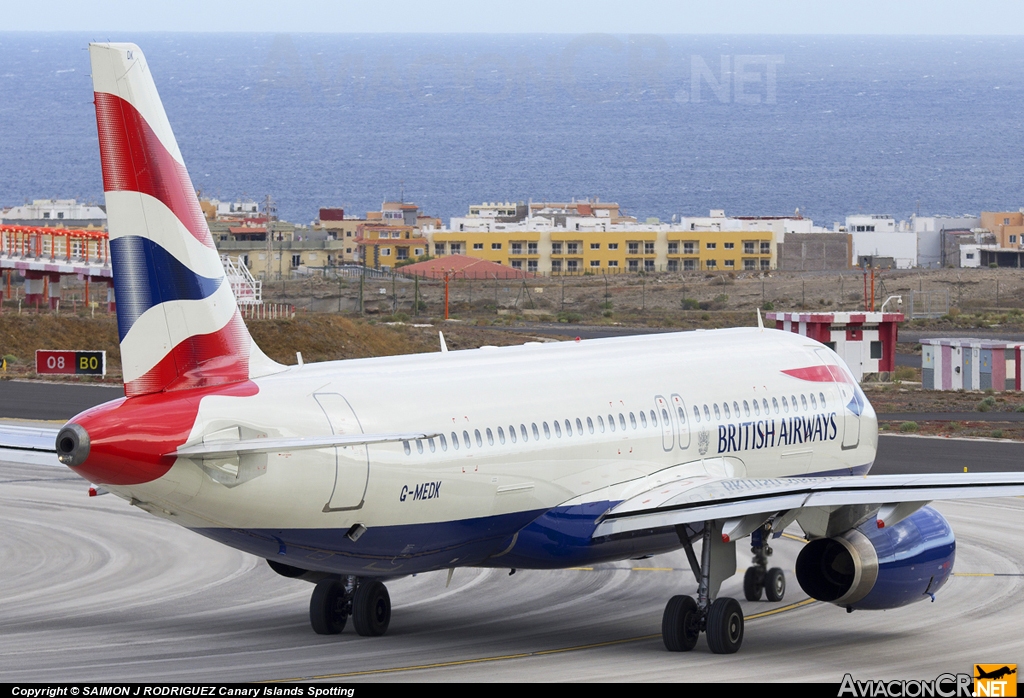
(462,267)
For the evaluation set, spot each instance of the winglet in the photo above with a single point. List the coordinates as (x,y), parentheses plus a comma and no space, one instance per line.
(444,347)
(760,322)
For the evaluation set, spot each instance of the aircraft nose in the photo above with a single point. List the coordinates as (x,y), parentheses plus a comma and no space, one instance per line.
(72,445)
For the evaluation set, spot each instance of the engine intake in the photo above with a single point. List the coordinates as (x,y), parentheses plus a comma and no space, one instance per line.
(872,568)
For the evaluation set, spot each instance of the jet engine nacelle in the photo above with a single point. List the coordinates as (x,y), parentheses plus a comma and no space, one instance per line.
(877,568)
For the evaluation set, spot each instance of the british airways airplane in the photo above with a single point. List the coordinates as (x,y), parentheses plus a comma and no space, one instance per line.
(351,473)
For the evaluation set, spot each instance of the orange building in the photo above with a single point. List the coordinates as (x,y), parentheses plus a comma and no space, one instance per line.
(1007,226)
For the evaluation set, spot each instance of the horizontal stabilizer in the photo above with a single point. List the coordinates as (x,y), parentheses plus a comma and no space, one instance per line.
(28,438)
(228,449)
(704,498)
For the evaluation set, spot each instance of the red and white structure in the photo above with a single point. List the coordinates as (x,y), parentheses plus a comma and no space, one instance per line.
(969,363)
(866,341)
(43,256)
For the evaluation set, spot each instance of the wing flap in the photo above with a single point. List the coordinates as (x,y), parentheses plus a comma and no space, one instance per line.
(703,498)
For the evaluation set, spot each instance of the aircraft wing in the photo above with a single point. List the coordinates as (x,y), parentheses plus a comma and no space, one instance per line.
(697,499)
(228,449)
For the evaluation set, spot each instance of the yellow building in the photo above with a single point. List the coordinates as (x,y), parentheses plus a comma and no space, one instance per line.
(557,250)
(382,246)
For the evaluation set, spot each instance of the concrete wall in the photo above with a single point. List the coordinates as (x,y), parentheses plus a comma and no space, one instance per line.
(815,252)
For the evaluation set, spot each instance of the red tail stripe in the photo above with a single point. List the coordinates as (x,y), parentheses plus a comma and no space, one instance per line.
(199,361)
(818,374)
(134,159)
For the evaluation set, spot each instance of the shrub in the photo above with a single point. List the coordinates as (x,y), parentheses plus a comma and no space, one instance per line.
(767,305)
(986,404)
(997,434)
(908,426)
(690,304)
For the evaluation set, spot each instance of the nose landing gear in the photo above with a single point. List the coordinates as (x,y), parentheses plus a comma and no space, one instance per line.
(334,600)
(758,578)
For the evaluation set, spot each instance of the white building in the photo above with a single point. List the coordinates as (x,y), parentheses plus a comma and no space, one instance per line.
(880,235)
(929,230)
(57,212)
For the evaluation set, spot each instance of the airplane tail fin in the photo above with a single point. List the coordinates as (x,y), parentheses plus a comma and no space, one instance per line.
(177,319)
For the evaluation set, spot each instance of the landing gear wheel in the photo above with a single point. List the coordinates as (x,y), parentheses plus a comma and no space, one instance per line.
(725,626)
(753,583)
(680,624)
(371,608)
(328,607)
(774,584)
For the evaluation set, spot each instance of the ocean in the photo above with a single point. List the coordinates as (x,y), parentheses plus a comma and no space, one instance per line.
(663,125)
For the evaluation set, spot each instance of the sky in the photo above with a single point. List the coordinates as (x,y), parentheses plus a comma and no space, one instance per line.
(895,17)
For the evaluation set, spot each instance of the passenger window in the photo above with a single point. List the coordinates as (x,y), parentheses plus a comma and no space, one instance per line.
(764,403)
(579,426)
(444,444)
(664,416)
(522,432)
(536,431)
(718,413)
(600,423)
(558,429)
(785,405)
(568,428)
(501,435)
(696,412)
(590,425)
(814,403)
(643,419)
(736,408)
(622,421)
(707,413)
(654,419)
(793,400)
(433,446)
(512,432)
(821,396)
(775,404)
(490,437)
(455,441)
(632,420)
(725,408)
(757,409)
(746,408)
(419,445)
(682,414)
(803,401)
(611,422)
(465,438)
(405,445)
(547,431)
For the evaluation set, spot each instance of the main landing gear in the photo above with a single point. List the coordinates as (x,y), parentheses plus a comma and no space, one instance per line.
(335,600)
(758,577)
(722,619)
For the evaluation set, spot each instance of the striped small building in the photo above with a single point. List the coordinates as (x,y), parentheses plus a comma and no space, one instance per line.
(866,341)
(967,363)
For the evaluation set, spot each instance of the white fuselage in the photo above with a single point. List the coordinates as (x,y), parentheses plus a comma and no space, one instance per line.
(619,391)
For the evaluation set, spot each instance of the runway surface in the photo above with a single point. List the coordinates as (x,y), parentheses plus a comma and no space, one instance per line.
(92,589)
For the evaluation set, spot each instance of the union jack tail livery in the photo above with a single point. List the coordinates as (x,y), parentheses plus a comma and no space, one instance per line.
(177,319)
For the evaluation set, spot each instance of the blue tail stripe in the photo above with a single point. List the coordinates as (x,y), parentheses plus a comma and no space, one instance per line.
(145,275)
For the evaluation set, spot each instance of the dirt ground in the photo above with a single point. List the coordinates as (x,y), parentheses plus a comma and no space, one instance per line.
(990,296)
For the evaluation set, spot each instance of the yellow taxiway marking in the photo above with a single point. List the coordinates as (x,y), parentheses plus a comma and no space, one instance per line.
(521,655)
(653,569)
(974,574)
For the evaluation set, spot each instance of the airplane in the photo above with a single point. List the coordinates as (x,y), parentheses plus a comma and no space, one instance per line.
(348,474)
